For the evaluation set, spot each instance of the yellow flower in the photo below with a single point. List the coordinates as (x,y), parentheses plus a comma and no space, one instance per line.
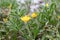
(25,18)
(58,17)
(5,20)
(46,5)
(33,15)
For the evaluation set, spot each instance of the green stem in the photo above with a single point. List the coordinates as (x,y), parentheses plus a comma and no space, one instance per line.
(30,35)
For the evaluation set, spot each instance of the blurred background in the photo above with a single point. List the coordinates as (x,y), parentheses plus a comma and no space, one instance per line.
(29,19)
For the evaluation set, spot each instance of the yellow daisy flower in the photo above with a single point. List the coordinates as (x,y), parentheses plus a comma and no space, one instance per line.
(25,18)
(5,20)
(46,5)
(33,15)
(58,17)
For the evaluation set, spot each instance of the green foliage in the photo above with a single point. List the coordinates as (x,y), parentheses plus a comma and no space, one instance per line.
(45,26)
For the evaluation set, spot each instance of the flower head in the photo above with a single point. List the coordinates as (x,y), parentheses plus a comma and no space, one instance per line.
(25,18)
(33,15)
(58,17)
(46,5)
(5,20)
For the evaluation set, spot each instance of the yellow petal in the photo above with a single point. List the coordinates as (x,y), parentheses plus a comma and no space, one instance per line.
(33,15)
(25,18)
(5,20)
(46,4)
(58,17)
